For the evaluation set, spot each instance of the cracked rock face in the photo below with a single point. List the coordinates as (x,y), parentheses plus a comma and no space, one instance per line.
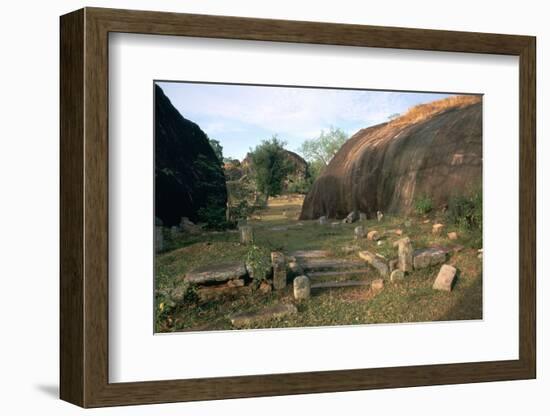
(387,166)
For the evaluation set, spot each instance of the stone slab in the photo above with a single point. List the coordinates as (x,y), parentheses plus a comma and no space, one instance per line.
(218,273)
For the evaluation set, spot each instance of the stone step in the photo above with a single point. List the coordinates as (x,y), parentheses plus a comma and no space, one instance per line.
(310,254)
(336,284)
(331,264)
(313,275)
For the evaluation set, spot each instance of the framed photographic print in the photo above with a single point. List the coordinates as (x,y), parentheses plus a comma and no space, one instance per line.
(255,207)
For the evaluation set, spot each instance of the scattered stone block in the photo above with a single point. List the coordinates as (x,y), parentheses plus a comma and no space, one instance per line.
(373,235)
(397,275)
(322,220)
(362,216)
(188,226)
(281,228)
(407,223)
(247,234)
(437,229)
(351,217)
(428,257)
(212,293)
(377,285)
(174,231)
(295,268)
(278,262)
(452,235)
(302,288)
(404,254)
(376,262)
(159,238)
(359,232)
(218,273)
(265,287)
(334,224)
(235,283)
(244,319)
(445,278)
(379,216)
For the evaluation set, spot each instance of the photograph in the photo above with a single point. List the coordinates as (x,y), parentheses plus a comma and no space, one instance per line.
(292,207)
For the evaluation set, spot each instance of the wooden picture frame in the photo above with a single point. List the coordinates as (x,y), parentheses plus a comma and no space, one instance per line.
(84,207)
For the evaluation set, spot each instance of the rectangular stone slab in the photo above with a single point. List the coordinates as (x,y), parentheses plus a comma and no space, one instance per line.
(215,274)
(310,253)
(335,285)
(252,318)
(331,264)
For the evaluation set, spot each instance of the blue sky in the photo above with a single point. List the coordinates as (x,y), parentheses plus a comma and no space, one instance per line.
(241,116)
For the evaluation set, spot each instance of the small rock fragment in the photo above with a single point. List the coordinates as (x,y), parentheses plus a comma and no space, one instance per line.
(397,275)
(437,228)
(452,235)
(373,235)
(377,285)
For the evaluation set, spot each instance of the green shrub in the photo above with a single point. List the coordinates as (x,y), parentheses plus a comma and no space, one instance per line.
(466,211)
(423,205)
(214,216)
(258,262)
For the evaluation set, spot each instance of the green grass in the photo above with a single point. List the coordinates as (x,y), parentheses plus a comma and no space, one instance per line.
(411,300)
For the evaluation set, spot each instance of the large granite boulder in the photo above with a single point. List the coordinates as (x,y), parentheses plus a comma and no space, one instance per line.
(188,174)
(433,150)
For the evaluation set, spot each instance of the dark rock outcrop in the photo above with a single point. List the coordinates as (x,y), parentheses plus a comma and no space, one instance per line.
(188,175)
(434,150)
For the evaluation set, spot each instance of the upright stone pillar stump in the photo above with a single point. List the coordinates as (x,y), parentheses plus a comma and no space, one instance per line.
(278,262)
(247,234)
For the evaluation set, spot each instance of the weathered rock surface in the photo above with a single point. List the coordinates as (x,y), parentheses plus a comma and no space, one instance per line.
(253,318)
(218,273)
(434,150)
(302,288)
(322,220)
(188,175)
(428,257)
(445,278)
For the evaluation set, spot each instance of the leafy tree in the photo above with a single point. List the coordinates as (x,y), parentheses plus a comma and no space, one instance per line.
(319,151)
(218,149)
(270,166)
